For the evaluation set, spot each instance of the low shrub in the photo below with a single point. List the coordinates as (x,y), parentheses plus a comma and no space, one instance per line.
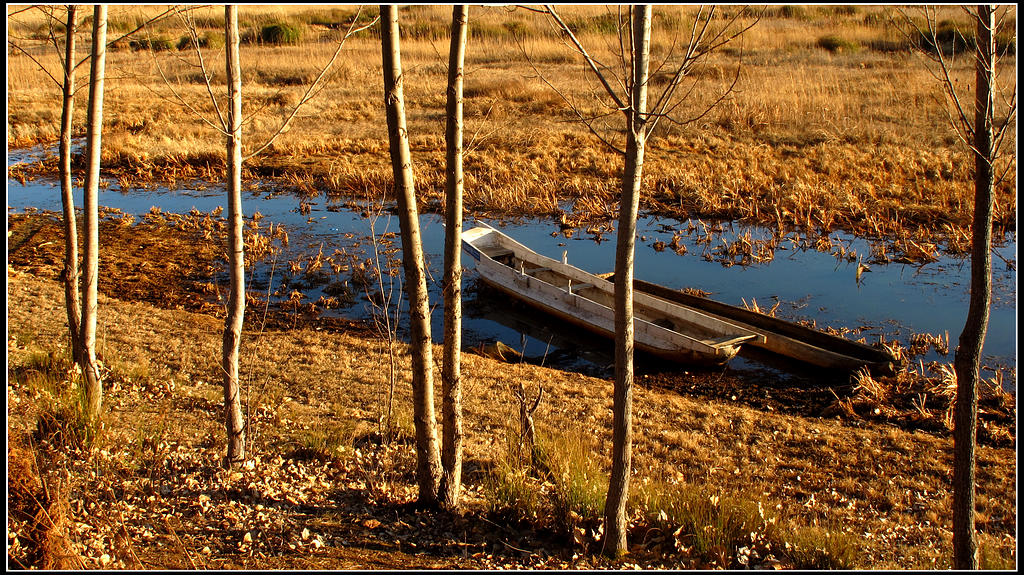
(154,43)
(834,44)
(888,46)
(792,12)
(212,41)
(840,10)
(948,38)
(427,29)
(516,28)
(607,23)
(280,33)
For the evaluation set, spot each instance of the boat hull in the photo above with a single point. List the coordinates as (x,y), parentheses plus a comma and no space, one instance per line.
(782,337)
(585,300)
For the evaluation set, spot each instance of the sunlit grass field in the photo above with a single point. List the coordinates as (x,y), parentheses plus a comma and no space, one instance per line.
(833,123)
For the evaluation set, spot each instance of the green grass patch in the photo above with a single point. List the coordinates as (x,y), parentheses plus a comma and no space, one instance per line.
(326,440)
(607,23)
(152,43)
(833,43)
(211,41)
(511,487)
(792,12)
(280,33)
(949,38)
(735,531)
(989,558)
(572,465)
(560,482)
(62,420)
(819,548)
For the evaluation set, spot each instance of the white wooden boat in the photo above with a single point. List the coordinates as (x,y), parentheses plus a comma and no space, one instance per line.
(661,328)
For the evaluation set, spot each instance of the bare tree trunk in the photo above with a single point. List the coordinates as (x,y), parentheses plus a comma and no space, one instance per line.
(71,273)
(968,354)
(616,522)
(87,360)
(236,256)
(428,467)
(451,384)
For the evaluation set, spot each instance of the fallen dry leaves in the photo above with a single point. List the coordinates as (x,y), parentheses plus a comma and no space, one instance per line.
(152,493)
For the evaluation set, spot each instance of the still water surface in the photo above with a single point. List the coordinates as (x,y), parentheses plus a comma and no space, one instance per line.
(892,301)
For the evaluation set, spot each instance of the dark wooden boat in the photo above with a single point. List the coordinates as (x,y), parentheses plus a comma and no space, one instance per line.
(780,336)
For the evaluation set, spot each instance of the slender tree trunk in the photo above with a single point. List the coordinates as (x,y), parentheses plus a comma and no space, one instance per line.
(968,354)
(451,384)
(236,256)
(87,359)
(71,274)
(428,466)
(616,521)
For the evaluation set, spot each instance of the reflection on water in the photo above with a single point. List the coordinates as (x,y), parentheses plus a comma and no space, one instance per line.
(541,339)
(889,302)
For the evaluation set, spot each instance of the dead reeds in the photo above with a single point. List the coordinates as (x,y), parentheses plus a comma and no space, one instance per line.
(844,140)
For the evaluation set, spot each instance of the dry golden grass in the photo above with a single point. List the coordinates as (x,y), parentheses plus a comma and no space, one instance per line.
(856,140)
(853,140)
(320,391)
(888,486)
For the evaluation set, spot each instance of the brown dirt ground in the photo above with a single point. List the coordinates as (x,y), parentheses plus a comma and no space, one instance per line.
(153,495)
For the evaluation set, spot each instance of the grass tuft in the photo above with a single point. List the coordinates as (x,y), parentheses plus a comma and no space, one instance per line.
(280,33)
(580,484)
(208,41)
(62,419)
(511,487)
(155,44)
(836,44)
(738,531)
(325,440)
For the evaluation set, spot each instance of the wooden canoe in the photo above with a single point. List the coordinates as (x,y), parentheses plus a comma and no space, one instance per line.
(780,336)
(661,328)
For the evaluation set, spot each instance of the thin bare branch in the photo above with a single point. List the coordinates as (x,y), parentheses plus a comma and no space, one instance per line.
(1010,167)
(944,69)
(588,122)
(697,49)
(165,14)
(707,110)
(15,46)
(314,87)
(1009,121)
(190,25)
(180,100)
(624,63)
(531,9)
(20,11)
(589,60)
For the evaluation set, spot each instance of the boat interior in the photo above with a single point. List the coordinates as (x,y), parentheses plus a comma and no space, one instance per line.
(604,295)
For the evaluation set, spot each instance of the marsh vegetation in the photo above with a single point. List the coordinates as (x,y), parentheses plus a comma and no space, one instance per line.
(833,125)
(843,139)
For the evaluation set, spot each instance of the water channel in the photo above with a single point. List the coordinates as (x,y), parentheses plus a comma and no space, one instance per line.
(892,301)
